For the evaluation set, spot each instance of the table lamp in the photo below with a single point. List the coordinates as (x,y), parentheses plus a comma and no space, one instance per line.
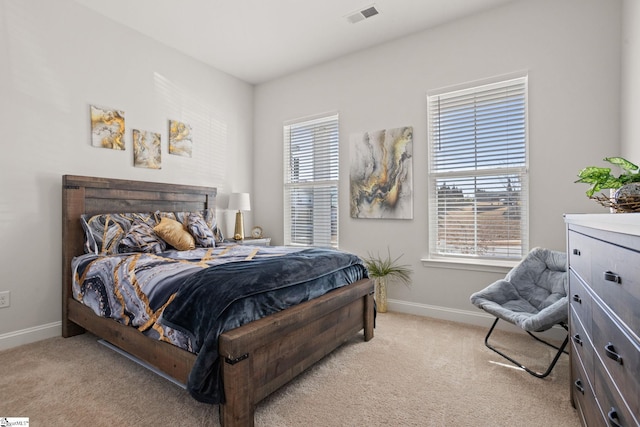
(239,202)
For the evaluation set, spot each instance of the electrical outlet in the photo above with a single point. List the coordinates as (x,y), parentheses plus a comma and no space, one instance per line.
(5,299)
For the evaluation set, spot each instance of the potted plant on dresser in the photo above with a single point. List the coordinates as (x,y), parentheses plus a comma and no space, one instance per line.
(385,269)
(627,185)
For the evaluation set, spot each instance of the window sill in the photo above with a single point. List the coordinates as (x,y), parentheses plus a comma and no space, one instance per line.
(485,265)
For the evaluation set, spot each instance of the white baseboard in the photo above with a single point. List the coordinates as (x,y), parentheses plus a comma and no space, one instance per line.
(29,335)
(478,318)
(445,313)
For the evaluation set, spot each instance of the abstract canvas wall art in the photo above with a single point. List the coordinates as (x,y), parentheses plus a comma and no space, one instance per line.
(179,138)
(146,149)
(381,174)
(107,128)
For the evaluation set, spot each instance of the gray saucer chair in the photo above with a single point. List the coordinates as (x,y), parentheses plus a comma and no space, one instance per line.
(533,296)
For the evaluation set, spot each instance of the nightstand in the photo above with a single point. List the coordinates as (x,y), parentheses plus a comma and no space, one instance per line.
(264,241)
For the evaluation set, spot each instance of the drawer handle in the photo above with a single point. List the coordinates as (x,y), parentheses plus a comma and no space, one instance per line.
(610,351)
(577,340)
(612,277)
(579,386)
(577,299)
(613,418)
(576,252)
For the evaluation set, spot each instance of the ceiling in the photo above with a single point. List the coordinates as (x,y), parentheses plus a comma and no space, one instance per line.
(259,40)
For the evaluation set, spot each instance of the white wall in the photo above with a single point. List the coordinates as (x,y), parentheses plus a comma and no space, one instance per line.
(630,88)
(571,51)
(57,58)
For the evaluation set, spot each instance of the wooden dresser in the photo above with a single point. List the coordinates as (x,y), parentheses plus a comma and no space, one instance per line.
(604,317)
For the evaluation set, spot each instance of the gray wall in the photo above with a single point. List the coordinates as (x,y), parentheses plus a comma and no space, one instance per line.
(57,58)
(630,82)
(571,51)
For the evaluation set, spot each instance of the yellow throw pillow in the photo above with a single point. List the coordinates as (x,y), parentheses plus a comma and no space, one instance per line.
(174,233)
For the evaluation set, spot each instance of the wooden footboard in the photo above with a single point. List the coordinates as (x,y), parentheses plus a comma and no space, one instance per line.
(259,357)
(262,356)
(165,357)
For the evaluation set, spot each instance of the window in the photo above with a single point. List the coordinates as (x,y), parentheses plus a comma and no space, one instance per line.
(478,182)
(311,182)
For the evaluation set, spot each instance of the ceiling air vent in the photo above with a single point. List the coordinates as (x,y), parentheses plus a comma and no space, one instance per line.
(363,14)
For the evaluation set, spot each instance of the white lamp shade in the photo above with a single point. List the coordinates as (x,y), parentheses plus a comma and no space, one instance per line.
(239,202)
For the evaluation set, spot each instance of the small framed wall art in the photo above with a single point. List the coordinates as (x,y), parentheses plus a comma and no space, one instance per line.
(180,138)
(146,149)
(107,128)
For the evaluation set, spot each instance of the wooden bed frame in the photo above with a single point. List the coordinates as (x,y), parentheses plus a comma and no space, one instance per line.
(258,357)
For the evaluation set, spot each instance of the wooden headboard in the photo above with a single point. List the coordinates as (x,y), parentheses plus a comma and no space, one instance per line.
(92,195)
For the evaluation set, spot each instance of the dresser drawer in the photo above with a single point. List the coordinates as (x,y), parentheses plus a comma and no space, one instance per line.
(580,249)
(611,403)
(580,301)
(581,345)
(583,395)
(619,354)
(615,275)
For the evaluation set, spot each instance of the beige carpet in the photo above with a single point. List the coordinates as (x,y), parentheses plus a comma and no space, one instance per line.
(415,372)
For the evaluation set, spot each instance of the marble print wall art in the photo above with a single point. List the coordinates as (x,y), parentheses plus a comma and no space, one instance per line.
(107,128)
(179,138)
(146,149)
(381,174)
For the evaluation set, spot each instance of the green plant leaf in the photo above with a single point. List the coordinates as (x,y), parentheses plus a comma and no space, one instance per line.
(625,164)
(625,179)
(609,182)
(593,174)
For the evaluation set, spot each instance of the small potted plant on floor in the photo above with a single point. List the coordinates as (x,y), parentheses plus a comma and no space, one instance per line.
(384,269)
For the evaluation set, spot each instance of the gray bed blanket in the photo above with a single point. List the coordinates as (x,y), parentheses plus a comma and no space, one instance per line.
(223,297)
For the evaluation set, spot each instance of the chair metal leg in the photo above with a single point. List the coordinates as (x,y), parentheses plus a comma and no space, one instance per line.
(520,365)
(566,328)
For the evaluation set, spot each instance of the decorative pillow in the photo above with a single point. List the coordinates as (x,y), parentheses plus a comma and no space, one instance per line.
(208,215)
(174,233)
(159,215)
(141,238)
(103,232)
(200,231)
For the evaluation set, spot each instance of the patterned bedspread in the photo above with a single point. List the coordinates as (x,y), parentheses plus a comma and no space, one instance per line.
(206,292)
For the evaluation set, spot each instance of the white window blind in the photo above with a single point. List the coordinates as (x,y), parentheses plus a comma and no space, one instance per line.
(311,182)
(478,182)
